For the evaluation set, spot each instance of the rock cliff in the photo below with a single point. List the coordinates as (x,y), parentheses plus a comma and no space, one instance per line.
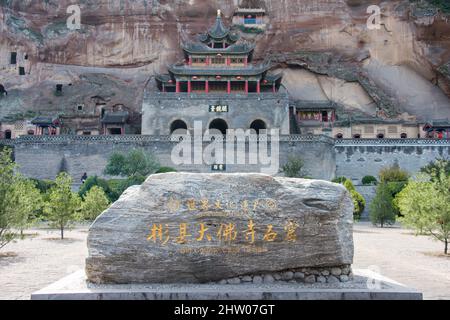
(401,68)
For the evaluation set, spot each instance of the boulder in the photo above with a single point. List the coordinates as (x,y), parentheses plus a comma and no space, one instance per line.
(197,228)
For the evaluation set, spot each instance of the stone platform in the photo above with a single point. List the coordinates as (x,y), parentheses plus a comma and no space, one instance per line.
(75,287)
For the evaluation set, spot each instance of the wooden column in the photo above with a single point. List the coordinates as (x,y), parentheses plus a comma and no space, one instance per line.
(246,86)
(273,88)
(228,61)
(245,61)
(177,86)
(206,86)
(189,86)
(258,87)
(228,86)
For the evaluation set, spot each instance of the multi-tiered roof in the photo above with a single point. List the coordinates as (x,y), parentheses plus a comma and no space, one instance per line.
(219,63)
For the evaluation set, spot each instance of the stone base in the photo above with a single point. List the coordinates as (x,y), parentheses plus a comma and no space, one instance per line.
(75,287)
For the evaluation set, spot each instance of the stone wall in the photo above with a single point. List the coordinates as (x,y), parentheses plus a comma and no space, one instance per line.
(356,158)
(160,110)
(43,157)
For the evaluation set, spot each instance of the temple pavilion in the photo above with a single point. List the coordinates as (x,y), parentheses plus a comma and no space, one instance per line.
(218,63)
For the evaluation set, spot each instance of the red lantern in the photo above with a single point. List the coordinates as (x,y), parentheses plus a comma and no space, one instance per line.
(195,77)
(218,77)
(265,81)
(170,81)
(239,77)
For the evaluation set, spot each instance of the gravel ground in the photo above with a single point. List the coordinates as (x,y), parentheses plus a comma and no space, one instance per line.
(41,259)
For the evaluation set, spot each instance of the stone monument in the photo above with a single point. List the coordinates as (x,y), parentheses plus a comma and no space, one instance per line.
(224,236)
(200,228)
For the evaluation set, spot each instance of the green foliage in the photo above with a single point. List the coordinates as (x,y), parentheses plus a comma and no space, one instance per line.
(340,180)
(293,167)
(136,165)
(62,208)
(118,186)
(393,174)
(382,211)
(25,201)
(96,181)
(369,180)
(434,167)
(43,185)
(425,205)
(165,170)
(7,220)
(359,203)
(94,203)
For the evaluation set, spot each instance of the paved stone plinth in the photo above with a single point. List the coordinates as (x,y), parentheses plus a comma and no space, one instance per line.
(75,287)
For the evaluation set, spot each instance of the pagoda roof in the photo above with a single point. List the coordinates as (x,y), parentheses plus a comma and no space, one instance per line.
(45,121)
(243,71)
(242,48)
(219,32)
(115,117)
(440,123)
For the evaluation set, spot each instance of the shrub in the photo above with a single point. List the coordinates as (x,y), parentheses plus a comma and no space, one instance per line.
(382,210)
(340,180)
(359,203)
(96,181)
(43,185)
(165,170)
(393,174)
(136,164)
(369,180)
(94,203)
(293,167)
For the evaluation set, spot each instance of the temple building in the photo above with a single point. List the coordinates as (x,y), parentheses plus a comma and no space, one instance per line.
(437,129)
(219,84)
(218,64)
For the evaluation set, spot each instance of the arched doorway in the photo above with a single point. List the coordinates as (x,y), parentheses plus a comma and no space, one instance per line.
(178,125)
(404,136)
(339,136)
(8,135)
(219,124)
(258,125)
(380,136)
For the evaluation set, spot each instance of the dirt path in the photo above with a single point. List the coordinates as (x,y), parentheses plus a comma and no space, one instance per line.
(42,259)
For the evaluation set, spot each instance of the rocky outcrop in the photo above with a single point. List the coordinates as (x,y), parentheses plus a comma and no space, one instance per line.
(141,37)
(196,228)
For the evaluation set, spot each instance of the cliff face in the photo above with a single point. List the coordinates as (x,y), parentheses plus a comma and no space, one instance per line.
(323,45)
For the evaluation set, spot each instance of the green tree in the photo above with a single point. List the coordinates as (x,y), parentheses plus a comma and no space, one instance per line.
(293,167)
(25,201)
(435,166)
(7,167)
(96,181)
(381,208)
(426,205)
(135,165)
(359,203)
(94,203)
(63,205)
(393,174)
(414,213)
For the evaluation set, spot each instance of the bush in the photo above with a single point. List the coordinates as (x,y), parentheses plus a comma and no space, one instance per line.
(96,181)
(136,165)
(94,203)
(118,186)
(369,180)
(340,180)
(393,174)
(165,170)
(293,167)
(382,210)
(359,203)
(43,185)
